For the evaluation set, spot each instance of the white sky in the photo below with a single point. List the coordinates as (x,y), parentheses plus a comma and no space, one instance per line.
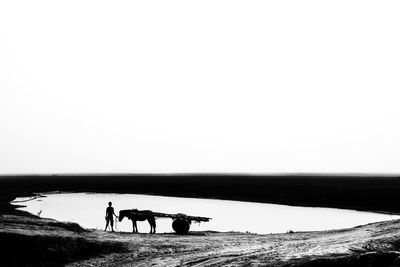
(199,86)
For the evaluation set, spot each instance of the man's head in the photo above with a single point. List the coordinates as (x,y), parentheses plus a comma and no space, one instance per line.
(109,204)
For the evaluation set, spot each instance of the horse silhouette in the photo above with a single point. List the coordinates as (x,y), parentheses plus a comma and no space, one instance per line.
(139,215)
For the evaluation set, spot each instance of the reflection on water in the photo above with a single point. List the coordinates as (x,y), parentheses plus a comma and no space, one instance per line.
(88,210)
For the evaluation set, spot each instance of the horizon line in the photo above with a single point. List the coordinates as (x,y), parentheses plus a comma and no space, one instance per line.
(333,174)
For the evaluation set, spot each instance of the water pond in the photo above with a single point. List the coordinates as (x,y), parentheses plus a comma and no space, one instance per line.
(88,209)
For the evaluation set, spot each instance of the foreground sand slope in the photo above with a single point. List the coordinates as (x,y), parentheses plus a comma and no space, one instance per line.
(210,248)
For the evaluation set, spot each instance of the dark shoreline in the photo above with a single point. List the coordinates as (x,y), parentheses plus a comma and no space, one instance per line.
(364,193)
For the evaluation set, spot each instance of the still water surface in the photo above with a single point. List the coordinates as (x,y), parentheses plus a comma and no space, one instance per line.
(88,209)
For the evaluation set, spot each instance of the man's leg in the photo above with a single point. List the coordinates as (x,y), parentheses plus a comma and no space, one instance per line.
(106,224)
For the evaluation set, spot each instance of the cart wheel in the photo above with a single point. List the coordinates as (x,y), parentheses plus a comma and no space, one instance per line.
(181,226)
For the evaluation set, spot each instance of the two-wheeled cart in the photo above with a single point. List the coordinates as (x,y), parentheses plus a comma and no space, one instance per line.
(181,222)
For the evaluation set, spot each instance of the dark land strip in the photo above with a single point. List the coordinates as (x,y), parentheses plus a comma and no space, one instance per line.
(367,193)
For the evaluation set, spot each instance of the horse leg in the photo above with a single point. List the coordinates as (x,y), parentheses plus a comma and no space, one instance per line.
(136,229)
(151,226)
(154,225)
(133,226)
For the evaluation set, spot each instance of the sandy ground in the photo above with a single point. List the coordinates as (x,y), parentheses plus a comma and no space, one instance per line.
(237,249)
(211,248)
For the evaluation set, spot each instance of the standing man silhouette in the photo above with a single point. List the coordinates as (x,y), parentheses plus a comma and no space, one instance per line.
(109,216)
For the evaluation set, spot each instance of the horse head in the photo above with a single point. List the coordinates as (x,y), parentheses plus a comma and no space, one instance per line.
(122,214)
